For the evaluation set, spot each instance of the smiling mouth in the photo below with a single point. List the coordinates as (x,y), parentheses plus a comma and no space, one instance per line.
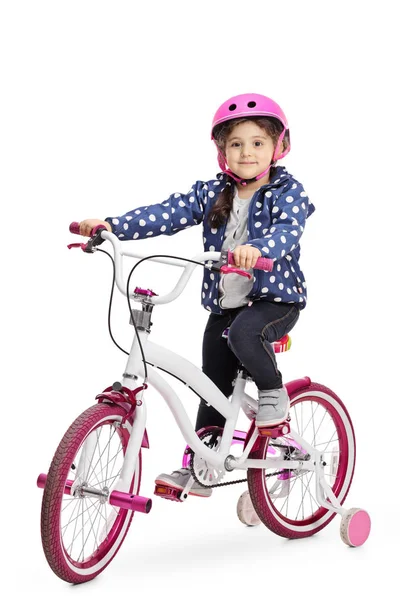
(247,163)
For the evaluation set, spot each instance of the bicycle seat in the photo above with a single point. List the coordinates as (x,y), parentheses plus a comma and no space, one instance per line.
(281,345)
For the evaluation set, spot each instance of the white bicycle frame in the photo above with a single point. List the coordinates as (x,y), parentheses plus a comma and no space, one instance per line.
(192,376)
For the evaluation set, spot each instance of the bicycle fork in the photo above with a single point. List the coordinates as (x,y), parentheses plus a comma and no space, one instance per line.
(120,496)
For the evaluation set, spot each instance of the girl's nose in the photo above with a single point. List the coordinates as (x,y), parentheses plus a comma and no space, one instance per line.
(245,150)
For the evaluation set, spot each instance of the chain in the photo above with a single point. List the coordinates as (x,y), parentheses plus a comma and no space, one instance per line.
(236,480)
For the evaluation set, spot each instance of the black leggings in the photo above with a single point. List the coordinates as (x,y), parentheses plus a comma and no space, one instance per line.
(251,331)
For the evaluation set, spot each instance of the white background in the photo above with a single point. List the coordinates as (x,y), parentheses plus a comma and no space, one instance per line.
(107,106)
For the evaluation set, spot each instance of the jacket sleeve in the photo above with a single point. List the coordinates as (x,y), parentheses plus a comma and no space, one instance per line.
(178,212)
(289,214)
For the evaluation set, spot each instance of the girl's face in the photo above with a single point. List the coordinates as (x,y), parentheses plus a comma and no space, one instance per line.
(249,151)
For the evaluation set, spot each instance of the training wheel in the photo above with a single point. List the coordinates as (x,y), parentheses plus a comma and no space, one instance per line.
(355,527)
(245,510)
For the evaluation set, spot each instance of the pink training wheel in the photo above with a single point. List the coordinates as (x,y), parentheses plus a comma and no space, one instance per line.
(245,511)
(355,527)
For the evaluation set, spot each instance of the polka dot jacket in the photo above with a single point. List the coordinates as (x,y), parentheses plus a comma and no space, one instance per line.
(277,216)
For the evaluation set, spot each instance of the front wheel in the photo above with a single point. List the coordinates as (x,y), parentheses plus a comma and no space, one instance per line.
(82,534)
(285,499)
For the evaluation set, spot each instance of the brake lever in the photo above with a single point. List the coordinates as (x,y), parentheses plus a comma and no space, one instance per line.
(222,266)
(94,241)
(69,246)
(227,269)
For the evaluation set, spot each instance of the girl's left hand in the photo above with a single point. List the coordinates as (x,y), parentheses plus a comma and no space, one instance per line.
(246,256)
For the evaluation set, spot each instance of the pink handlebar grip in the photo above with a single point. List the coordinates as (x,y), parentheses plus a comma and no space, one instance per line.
(74,228)
(265,264)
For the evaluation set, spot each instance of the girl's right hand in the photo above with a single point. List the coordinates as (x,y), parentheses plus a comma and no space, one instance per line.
(86,226)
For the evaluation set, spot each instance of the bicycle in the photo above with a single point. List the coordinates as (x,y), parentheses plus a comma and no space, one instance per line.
(298,473)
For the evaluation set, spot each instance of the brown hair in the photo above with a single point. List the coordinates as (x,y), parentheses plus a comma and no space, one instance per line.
(221,209)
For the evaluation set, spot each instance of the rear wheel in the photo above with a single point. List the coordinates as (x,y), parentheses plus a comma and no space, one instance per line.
(285,500)
(82,534)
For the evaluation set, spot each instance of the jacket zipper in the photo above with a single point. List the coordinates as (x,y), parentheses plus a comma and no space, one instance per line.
(219,274)
(253,235)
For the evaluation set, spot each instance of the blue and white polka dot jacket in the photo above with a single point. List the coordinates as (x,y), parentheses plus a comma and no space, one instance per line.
(277,216)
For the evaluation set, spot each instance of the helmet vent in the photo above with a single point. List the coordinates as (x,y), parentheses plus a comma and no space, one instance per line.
(251,104)
(233,107)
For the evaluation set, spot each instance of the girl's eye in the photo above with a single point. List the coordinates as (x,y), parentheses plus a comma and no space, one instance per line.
(258,144)
(235,144)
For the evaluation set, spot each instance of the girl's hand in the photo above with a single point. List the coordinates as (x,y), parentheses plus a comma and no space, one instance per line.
(246,256)
(86,226)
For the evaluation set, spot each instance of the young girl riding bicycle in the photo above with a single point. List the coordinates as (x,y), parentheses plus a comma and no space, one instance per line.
(253,208)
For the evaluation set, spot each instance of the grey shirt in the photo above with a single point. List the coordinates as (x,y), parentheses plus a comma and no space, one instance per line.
(233,288)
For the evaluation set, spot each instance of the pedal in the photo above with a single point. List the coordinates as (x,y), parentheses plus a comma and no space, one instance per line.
(168,492)
(275,431)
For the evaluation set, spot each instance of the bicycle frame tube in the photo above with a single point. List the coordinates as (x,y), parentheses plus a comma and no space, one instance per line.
(133,449)
(186,371)
(85,461)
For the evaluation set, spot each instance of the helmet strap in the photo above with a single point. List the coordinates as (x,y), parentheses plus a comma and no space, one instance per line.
(245,182)
(277,153)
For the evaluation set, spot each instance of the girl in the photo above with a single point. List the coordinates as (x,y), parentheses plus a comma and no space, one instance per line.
(253,208)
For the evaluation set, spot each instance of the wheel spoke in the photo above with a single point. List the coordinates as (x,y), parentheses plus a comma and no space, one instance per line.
(69,501)
(92,523)
(330,442)
(79,503)
(319,427)
(112,478)
(302,499)
(114,458)
(87,515)
(99,459)
(295,480)
(86,510)
(76,523)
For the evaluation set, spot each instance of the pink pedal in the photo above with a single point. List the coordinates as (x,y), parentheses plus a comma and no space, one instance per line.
(275,431)
(168,492)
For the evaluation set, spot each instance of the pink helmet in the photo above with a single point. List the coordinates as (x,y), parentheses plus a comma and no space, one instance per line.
(250,105)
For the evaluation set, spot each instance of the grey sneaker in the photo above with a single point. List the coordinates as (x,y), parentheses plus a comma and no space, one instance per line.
(178,479)
(273,407)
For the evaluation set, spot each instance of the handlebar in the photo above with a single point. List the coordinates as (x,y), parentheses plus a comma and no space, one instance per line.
(100,233)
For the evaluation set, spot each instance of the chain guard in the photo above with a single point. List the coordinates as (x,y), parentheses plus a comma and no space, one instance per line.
(204,474)
(210,477)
